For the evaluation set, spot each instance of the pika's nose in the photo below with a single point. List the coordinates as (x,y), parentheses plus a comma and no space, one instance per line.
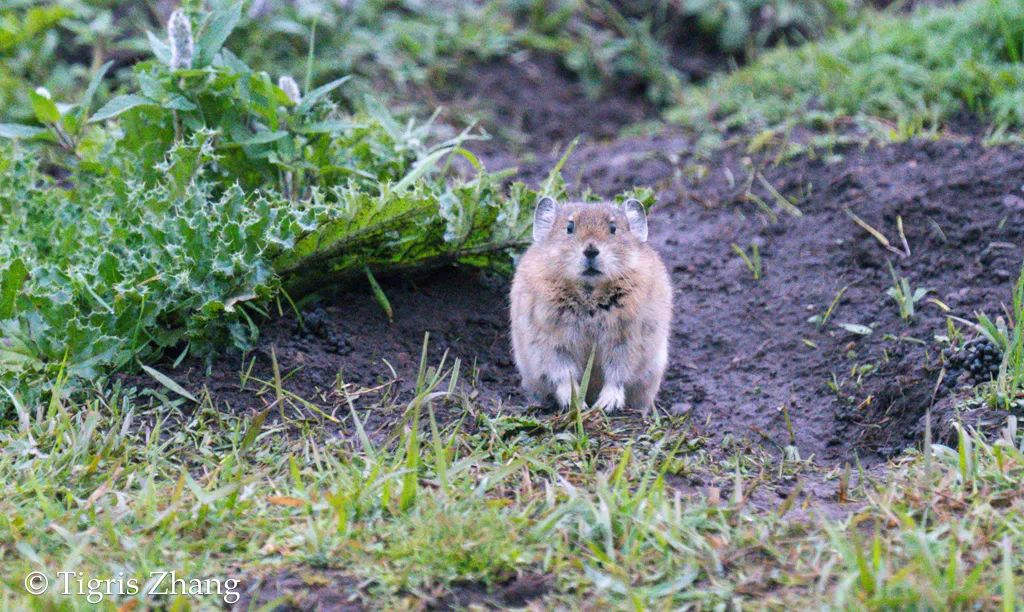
(591,252)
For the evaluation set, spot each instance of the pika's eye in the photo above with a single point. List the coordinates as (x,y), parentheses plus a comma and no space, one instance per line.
(611,227)
(571,227)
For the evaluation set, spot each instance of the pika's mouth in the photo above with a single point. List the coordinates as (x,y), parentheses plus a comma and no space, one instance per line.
(591,271)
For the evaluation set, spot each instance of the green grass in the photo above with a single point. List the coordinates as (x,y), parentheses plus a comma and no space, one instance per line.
(1007,335)
(916,72)
(122,483)
(905,296)
(752,261)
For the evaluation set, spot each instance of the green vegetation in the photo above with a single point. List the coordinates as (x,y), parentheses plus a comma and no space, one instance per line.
(905,296)
(748,26)
(752,261)
(917,71)
(402,45)
(28,51)
(1007,338)
(170,216)
(84,486)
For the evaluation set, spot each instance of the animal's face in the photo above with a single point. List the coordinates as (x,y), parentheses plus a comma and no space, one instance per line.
(589,242)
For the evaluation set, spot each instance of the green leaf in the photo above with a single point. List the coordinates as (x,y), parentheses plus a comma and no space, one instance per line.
(262,138)
(471,158)
(254,429)
(90,93)
(11,281)
(179,102)
(328,127)
(217,31)
(421,168)
(208,498)
(160,49)
(379,295)
(17,130)
(166,381)
(310,99)
(854,328)
(119,105)
(150,86)
(44,108)
(39,19)
(16,354)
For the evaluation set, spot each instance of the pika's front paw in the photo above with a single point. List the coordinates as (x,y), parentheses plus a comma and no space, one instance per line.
(611,399)
(563,394)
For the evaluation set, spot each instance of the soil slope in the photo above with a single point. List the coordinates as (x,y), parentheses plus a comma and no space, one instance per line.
(743,353)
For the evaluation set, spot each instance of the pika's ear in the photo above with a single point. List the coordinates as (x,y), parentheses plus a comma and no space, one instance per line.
(544,217)
(637,218)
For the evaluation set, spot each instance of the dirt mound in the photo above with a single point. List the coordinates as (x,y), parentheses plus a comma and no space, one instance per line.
(345,348)
(532,100)
(745,356)
(745,360)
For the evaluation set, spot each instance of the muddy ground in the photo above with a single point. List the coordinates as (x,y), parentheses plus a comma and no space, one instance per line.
(307,589)
(743,352)
(744,355)
(530,105)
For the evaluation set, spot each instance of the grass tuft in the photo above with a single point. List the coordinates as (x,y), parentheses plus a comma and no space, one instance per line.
(916,71)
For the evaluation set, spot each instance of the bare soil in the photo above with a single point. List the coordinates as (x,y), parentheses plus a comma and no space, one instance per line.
(307,588)
(302,588)
(743,354)
(530,103)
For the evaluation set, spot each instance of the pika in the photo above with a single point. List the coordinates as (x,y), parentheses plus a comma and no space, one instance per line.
(591,283)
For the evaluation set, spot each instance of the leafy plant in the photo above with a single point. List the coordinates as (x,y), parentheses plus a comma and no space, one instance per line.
(407,45)
(59,44)
(1008,337)
(904,295)
(28,42)
(190,200)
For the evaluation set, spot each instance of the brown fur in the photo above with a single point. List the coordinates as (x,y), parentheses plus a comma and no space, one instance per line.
(561,312)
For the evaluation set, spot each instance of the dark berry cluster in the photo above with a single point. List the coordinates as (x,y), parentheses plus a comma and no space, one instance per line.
(978,362)
(317,323)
